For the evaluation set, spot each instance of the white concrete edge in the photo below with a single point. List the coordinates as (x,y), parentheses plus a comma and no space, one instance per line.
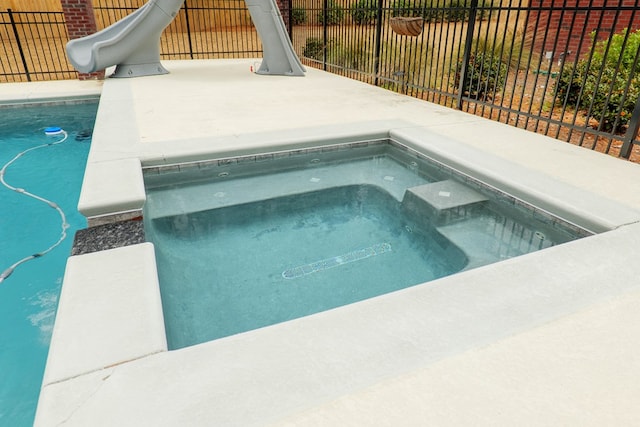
(112,187)
(552,375)
(593,212)
(580,207)
(265,375)
(198,149)
(48,91)
(116,186)
(109,313)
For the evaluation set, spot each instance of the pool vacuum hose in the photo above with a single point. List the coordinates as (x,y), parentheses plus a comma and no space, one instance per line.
(50,131)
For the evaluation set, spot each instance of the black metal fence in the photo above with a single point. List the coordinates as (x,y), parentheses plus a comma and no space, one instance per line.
(33,43)
(564,70)
(204,29)
(567,70)
(32,47)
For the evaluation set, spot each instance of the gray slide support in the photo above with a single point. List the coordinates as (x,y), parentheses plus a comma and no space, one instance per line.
(278,55)
(133,43)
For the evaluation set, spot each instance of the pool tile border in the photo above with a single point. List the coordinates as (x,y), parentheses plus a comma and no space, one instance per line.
(554,220)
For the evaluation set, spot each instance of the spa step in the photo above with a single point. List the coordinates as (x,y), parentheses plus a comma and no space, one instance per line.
(443,201)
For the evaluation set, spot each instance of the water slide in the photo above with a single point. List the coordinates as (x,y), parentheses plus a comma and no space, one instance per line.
(133,43)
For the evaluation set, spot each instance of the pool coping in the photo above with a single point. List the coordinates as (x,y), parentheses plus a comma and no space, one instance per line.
(16,94)
(291,372)
(311,360)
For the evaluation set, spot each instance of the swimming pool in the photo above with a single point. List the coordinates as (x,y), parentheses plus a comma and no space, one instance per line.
(518,310)
(29,295)
(251,241)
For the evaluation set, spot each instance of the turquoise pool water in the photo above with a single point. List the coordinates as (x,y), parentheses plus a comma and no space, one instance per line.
(29,296)
(247,242)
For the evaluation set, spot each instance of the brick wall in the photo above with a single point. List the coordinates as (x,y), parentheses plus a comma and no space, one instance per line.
(283,5)
(81,21)
(565,28)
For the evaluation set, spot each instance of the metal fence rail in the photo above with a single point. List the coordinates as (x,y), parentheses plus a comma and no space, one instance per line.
(203,28)
(33,43)
(24,56)
(544,66)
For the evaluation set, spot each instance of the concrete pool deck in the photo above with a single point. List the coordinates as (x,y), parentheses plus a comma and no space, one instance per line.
(543,339)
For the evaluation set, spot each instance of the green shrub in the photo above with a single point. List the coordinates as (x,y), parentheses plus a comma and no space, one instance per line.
(583,76)
(491,57)
(486,74)
(570,83)
(408,8)
(482,12)
(313,48)
(298,16)
(446,11)
(456,11)
(434,10)
(354,56)
(335,14)
(365,12)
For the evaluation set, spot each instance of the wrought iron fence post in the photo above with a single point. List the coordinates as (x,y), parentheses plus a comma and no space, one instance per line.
(632,131)
(378,43)
(325,18)
(15,32)
(186,14)
(471,24)
(290,19)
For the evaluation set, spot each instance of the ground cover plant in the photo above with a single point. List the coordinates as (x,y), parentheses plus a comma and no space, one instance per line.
(334,15)
(606,83)
(365,12)
(298,16)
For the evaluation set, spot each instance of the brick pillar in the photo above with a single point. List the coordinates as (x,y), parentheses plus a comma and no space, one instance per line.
(283,5)
(81,21)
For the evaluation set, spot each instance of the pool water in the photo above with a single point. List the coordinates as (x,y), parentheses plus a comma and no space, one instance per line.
(29,296)
(243,243)
(275,260)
